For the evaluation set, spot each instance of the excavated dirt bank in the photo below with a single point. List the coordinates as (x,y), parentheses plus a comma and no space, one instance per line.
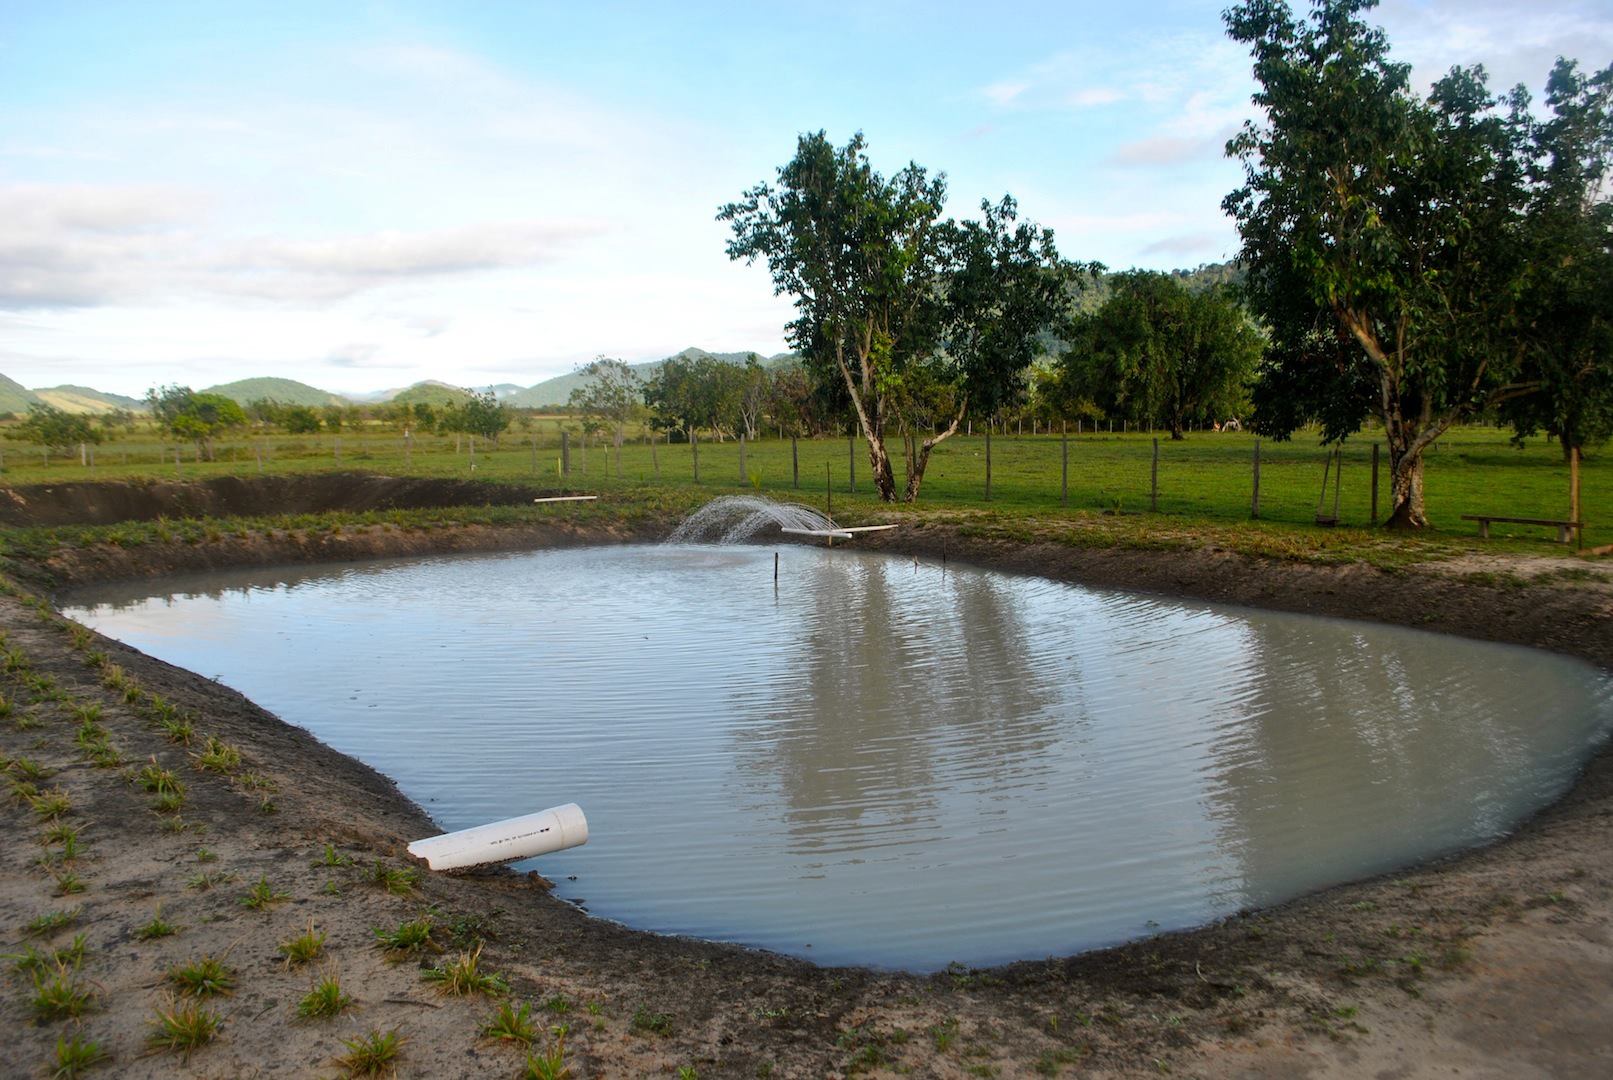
(1491,963)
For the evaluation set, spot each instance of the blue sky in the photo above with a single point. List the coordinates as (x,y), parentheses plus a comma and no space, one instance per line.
(361,196)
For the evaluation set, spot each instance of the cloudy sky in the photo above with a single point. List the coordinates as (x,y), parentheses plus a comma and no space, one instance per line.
(364,195)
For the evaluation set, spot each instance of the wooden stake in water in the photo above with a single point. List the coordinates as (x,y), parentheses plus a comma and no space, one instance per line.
(775,569)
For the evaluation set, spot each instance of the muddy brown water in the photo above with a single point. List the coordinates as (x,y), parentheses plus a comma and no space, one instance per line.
(883,761)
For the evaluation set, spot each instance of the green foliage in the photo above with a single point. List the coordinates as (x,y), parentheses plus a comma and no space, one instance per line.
(919,319)
(183,1026)
(373,1054)
(1388,239)
(58,995)
(511,1023)
(1155,351)
(206,977)
(325,1000)
(464,975)
(197,417)
(48,426)
(74,1055)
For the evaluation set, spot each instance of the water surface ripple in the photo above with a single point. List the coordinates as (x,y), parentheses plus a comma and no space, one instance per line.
(889,762)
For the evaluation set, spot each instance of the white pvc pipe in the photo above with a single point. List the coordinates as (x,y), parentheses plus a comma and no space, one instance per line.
(555,829)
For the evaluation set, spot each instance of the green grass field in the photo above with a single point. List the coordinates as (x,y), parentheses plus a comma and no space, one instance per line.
(1204,479)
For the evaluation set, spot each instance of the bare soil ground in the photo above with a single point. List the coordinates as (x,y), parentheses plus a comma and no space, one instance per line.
(1497,962)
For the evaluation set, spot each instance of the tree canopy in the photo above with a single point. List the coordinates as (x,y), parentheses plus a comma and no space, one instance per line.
(918,317)
(198,417)
(1156,352)
(55,429)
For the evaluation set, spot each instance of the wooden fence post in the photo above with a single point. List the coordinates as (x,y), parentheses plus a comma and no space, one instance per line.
(1153,481)
(795,463)
(565,453)
(988,462)
(1374,483)
(743,478)
(1254,502)
(1064,465)
(694,450)
(851,468)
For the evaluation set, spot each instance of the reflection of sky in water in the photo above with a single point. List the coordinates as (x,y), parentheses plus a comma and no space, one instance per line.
(893,763)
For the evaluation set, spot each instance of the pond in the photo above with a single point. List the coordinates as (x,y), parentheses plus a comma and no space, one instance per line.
(885,761)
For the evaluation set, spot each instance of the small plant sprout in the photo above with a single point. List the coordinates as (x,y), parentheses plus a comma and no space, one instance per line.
(206,977)
(52,921)
(113,677)
(325,1000)
(87,713)
(158,927)
(68,883)
(28,769)
(309,945)
(412,936)
(204,855)
(558,1005)
(331,857)
(177,729)
(51,804)
(35,962)
(549,1065)
(183,1026)
(464,976)
(80,634)
(262,895)
(68,836)
(218,756)
(57,995)
(75,1055)
(397,880)
(653,1022)
(208,880)
(511,1023)
(372,1054)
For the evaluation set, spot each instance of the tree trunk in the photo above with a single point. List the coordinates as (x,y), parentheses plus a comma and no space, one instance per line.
(1405,489)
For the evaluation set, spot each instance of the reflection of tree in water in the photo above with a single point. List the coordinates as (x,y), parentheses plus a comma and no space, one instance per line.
(1346,746)
(911,690)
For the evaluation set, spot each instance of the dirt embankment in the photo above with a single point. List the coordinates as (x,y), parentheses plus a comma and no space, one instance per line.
(1493,963)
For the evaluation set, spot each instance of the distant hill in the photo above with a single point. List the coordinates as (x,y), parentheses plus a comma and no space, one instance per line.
(284,391)
(84,399)
(15,397)
(431,392)
(557,391)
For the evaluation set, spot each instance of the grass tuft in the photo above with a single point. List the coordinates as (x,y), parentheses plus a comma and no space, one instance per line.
(262,895)
(325,1000)
(158,927)
(397,880)
(206,977)
(75,1055)
(464,975)
(511,1023)
(309,945)
(411,936)
(52,921)
(550,1064)
(372,1054)
(218,756)
(183,1026)
(58,996)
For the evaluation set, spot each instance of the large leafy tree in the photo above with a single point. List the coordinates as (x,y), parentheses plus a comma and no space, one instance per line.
(611,392)
(1568,291)
(1156,351)
(920,319)
(1382,236)
(197,417)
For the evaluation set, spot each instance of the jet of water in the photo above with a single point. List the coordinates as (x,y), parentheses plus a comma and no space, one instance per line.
(732,519)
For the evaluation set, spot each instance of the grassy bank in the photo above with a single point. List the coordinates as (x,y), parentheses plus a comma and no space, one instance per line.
(1203,481)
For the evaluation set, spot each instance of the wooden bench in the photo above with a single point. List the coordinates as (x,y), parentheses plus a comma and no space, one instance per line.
(1564,528)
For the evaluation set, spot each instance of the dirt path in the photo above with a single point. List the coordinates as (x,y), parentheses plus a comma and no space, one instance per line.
(1495,963)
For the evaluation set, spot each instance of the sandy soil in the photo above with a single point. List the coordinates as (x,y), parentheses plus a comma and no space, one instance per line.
(1495,963)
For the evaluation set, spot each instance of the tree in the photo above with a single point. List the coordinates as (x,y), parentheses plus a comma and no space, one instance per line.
(197,417)
(1567,298)
(689,393)
(299,419)
(911,314)
(612,392)
(1155,351)
(481,413)
(55,429)
(752,386)
(1381,237)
